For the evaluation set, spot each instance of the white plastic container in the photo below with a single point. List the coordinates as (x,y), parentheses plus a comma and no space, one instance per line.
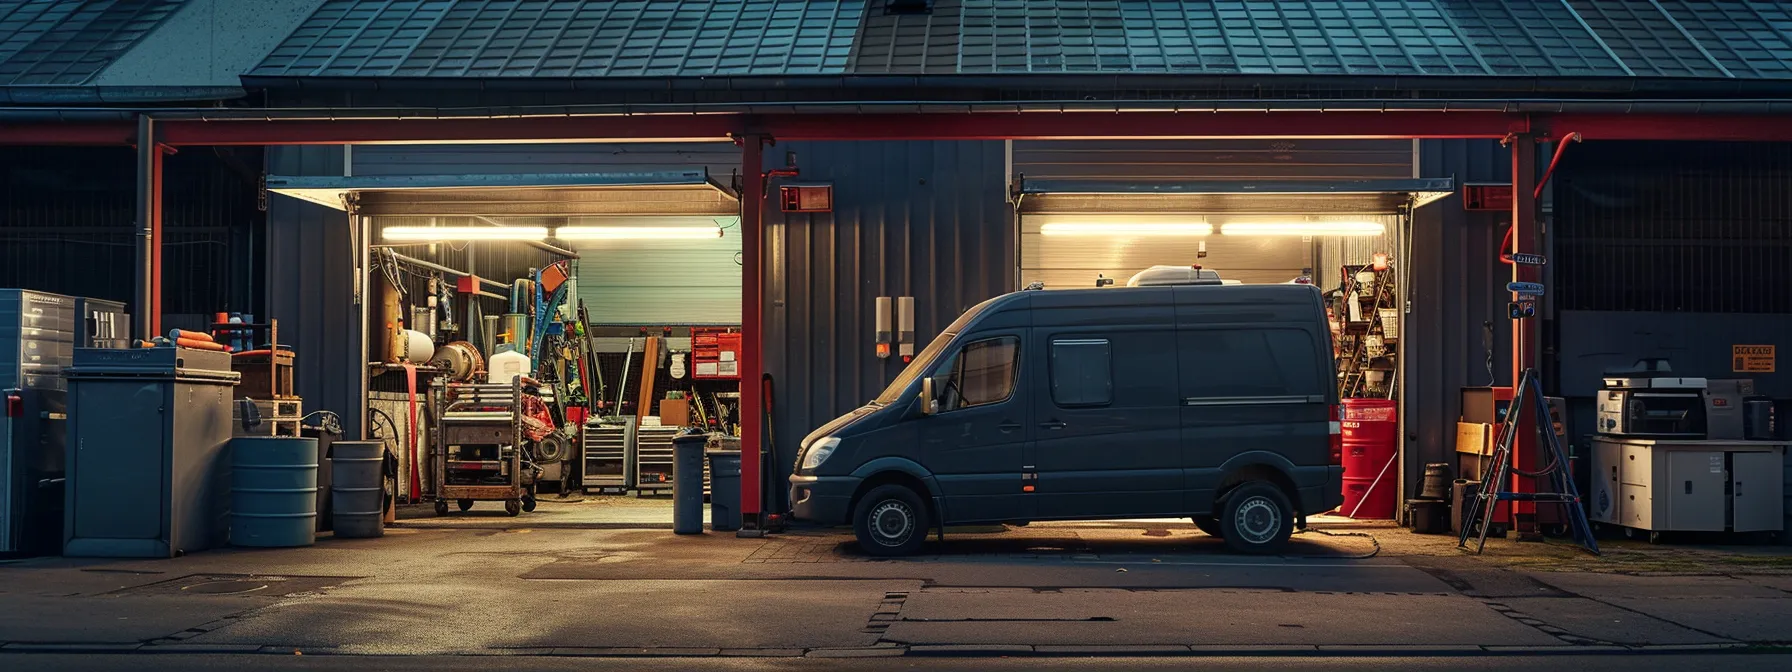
(506,366)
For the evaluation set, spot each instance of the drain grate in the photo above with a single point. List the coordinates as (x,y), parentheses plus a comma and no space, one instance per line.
(242,585)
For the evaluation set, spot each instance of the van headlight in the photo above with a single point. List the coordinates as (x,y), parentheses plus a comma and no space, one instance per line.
(818,453)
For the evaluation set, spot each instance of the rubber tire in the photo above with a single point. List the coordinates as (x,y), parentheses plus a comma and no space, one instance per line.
(464,504)
(513,507)
(882,498)
(441,507)
(1244,499)
(1209,525)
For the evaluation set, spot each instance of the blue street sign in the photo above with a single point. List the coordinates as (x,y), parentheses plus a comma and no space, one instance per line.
(1526,259)
(1525,288)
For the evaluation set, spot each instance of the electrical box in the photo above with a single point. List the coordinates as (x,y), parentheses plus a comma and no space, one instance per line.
(715,353)
(884,333)
(806,197)
(905,327)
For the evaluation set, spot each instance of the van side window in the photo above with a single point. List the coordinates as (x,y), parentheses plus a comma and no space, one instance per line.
(1082,372)
(1225,363)
(981,373)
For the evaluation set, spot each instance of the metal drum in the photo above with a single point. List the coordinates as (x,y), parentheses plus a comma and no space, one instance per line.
(273,494)
(1370,431)
(357,489)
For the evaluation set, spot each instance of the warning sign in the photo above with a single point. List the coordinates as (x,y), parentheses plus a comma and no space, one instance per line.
(1751,358)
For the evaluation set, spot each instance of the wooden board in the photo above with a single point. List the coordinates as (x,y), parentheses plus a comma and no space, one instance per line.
(650,364)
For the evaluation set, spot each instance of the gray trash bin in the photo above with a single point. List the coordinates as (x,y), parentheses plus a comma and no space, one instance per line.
(687,481)
(358,501)
(724,490)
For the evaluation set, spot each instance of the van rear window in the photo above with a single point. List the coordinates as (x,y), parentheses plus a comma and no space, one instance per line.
(1224,363)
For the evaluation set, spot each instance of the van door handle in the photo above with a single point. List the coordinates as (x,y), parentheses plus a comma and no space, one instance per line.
(1008,426)
(1052,425)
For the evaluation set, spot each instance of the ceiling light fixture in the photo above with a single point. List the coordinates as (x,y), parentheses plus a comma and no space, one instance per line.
(1303,229)
(637,232)
(1126,229)
(445,233)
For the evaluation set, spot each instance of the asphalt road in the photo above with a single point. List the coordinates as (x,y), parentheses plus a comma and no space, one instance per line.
(1730,662)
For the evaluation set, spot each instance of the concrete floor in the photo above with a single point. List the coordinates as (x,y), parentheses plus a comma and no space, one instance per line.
(1109,589)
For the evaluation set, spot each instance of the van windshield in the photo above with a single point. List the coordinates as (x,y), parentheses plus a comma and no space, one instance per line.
(921,363)
(924,361)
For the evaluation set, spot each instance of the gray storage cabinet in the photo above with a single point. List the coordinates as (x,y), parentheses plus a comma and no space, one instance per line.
(148,475)
(1662,485)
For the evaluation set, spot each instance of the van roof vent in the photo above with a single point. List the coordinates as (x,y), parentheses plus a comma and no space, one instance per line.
(1174,275)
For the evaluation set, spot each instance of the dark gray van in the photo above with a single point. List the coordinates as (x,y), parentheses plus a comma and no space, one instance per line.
(1217,403)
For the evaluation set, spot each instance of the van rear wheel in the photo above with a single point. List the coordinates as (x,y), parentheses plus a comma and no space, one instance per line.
(1209,525)
(890,521)
(1257,518)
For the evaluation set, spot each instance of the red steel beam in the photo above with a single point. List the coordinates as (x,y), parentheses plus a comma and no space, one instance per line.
(1693,127)
(58,133)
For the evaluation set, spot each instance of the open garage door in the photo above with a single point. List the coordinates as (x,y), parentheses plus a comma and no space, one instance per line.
(1072,232)
(623,281)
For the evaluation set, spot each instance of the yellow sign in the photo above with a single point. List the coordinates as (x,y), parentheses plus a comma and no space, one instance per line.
(1751,358)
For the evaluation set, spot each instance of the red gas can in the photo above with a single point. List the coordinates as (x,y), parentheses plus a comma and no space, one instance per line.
(1371,435)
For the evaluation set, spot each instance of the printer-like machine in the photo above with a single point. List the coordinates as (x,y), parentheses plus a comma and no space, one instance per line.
(1650,400)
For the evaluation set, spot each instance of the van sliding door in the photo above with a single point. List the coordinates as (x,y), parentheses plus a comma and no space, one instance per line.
(1107,440)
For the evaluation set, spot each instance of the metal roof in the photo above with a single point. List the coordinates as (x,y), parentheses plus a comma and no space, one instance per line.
(1652,38)
(497,39)
(66,43)
(567,38)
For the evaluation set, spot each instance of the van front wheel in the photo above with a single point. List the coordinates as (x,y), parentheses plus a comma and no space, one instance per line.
(1257,518)
(890,521)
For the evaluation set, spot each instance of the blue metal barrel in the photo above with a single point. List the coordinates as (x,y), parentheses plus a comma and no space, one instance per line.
(273,493)
(357,492)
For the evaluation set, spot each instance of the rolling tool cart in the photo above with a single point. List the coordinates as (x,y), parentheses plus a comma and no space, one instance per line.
(486,443)
(608,456)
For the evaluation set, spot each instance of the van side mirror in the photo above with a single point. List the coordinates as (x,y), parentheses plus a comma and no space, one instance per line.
(929,405)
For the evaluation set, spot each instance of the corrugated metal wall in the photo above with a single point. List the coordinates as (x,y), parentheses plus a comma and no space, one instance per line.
(1675,226)
(922,219)
(720,158)
(1205,160)
(310,287)
(67,224)
(1454,284)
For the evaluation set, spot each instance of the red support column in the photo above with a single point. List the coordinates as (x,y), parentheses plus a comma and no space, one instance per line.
(752,370)
(1525,333)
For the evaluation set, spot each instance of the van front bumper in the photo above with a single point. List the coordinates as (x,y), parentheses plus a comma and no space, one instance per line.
(822,499)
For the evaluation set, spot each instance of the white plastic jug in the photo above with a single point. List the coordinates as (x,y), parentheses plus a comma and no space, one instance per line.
(505,366)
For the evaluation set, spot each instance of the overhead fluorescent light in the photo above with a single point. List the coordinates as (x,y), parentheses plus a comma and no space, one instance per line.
(637,232)
(1126,229)
(1303,229)
(443,233)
